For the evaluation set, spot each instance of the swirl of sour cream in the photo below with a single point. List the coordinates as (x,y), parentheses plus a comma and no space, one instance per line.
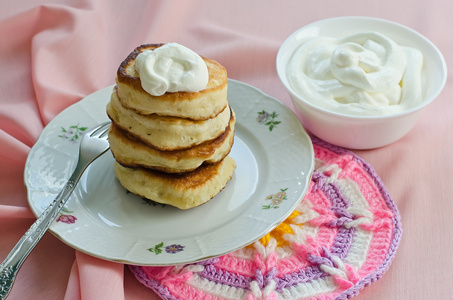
(363,74)
(171,68)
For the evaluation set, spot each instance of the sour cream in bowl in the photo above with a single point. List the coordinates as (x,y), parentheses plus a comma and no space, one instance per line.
(360,82)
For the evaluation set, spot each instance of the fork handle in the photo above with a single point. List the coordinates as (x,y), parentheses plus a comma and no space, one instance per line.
(12,263)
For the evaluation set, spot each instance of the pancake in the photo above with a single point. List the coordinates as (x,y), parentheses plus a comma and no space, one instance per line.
(166,133)
(200,105)
(131,152)
(184,190)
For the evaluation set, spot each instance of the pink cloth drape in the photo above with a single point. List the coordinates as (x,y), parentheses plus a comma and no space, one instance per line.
(54,54)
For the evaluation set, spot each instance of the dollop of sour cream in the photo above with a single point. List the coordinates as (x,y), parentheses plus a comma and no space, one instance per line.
(365,74)
(171,68)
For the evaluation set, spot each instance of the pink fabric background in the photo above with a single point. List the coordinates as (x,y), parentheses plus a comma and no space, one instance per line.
(54,54)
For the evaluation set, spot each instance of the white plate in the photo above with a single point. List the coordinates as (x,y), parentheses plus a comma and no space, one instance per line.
(105,221)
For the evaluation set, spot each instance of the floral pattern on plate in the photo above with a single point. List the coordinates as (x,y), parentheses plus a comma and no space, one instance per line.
(276,199)
(66,218)
(172,249)
(73,133)
(268,119)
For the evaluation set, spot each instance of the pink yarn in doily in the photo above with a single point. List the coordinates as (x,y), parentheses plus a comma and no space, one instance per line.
(341,238)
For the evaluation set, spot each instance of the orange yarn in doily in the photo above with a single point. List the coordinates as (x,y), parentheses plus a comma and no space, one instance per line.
(278,232)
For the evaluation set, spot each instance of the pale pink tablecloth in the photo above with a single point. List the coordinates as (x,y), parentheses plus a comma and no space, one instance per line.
(54,54)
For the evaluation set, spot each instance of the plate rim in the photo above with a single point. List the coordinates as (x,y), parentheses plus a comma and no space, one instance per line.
(239,245)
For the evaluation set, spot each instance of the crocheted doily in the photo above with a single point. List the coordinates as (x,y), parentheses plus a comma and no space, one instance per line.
(342,237)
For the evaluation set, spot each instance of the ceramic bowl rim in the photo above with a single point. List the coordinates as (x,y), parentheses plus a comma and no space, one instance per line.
(281,69)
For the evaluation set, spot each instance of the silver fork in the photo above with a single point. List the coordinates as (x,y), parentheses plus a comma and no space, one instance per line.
(94,143)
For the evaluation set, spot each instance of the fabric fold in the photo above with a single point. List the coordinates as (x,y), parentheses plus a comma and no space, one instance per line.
(92,278)
(15,212)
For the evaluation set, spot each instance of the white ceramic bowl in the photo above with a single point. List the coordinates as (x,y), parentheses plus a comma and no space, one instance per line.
(362,132)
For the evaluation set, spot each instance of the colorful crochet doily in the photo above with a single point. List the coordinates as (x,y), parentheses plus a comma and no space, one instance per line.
(342,237)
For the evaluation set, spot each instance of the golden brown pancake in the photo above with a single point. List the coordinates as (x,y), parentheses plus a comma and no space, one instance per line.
(200,105)
(183,190)
(131,152)
(166,133)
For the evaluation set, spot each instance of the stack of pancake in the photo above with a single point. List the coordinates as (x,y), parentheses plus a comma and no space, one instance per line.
(172,149)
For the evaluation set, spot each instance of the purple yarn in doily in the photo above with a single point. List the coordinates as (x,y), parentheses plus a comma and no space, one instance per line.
(326,256)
